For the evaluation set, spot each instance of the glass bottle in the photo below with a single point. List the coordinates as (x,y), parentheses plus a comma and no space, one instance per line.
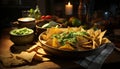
(82,11)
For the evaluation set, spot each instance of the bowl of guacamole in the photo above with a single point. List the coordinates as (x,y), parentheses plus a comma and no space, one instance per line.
(22,36)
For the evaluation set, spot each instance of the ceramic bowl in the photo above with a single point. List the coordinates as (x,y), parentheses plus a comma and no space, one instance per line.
(23,39)
(27,22)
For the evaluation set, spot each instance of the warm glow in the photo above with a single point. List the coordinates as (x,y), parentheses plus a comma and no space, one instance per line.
(68,9)
(69,3)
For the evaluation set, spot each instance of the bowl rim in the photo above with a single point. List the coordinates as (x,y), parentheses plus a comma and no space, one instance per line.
(37,25)
(23,19)
(40,27)
(43,42)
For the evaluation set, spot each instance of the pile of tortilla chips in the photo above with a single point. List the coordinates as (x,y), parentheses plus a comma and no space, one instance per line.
(94,39)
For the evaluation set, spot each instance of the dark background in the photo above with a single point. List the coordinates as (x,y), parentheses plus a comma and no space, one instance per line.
(11,10)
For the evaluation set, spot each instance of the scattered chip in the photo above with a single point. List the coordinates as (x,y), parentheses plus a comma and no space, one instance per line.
(41,51)
(37,57)
(26,56)
(33,48)
(12,61)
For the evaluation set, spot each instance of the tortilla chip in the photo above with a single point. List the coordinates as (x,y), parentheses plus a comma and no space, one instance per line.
(101,36)
(94,45)
(55,43)
(45,59)
(49,42)
(38,57)
(67,47)
(97,32)
(11,61)
(41,51)
(26,56)
(33,48)
(52,31)
(44,37)
(105,40)
(85,43)
(91,32)
(88,46)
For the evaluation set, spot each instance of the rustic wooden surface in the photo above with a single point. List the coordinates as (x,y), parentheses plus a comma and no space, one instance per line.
(6,43)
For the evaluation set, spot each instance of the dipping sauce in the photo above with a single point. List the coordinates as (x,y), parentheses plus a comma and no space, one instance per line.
(27,19)
(27,22)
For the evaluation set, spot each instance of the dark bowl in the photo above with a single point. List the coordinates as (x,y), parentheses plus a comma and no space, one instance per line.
(39,28)
(69,54)
(39,25)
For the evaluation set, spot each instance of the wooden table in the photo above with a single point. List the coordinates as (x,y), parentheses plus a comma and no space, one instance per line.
(112,61)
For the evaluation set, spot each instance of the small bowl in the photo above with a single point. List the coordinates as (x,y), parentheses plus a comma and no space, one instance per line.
(39,28)
(27,22)
(39,25)
(74,54)
(18,39)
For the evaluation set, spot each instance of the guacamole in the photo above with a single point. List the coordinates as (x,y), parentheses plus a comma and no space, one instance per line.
(21,31)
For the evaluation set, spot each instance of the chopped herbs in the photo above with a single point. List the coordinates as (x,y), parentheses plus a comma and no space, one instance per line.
(69,37)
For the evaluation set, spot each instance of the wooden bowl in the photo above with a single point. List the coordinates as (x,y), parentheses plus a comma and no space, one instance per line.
(68,54)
